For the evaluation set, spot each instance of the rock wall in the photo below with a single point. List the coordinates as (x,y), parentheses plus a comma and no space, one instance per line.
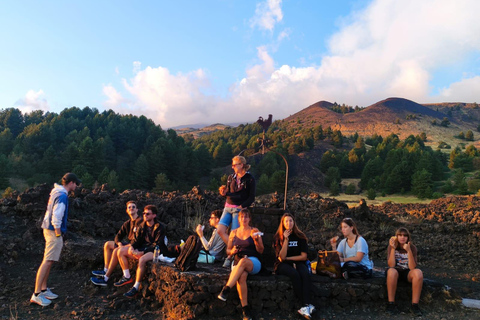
(188,295)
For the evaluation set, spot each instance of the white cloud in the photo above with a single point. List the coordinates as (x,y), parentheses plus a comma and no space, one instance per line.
(137,65)
(267,14)
(390,48)
(114,97)
(33,100)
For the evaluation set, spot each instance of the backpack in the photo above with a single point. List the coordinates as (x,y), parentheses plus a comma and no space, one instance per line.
(187,260)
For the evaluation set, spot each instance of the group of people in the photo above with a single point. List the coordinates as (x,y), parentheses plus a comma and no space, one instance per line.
(240,249)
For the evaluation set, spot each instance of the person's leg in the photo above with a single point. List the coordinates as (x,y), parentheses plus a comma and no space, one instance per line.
(123,256)
(392,281)
(242,288)
(224,223)
(235,223)
(289,271)
(108,248)
(244,264)
(42,275)
(302,270)
(415,276)
(142,267)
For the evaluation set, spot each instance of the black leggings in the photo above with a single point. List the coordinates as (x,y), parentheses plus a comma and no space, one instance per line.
(300,278)
(356,270)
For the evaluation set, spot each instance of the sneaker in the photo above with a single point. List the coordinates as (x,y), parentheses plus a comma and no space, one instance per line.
(224,293)
(98,281)
(98,273)
(246,313)
(345,275)
(123,281)
(415,310)
(49,294)
(228,262)
(391,308)
(311,308)
(132,293)
(305,312)
(40,300)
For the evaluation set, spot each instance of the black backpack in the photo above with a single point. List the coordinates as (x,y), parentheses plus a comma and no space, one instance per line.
(187,260)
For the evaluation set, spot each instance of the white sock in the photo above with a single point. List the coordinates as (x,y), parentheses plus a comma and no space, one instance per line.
(105,278)
(126,273)
(137,285)
(105,269)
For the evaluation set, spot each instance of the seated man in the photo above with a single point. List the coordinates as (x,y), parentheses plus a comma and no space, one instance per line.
(215,247)
(122,241)
(150,234)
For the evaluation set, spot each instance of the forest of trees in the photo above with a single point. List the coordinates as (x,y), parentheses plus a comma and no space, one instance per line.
(129,152)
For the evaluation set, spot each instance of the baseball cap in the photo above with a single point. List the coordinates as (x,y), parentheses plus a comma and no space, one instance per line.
(69,177)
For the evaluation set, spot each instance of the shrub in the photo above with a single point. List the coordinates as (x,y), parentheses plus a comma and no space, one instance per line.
(350,189)
(371,194)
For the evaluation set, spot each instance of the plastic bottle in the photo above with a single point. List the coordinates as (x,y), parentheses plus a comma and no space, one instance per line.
(309,266)
(156,254)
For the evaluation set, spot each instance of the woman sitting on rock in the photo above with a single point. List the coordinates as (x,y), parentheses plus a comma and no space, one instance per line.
(402,265)
(353,251)
(245,243)
(290,245)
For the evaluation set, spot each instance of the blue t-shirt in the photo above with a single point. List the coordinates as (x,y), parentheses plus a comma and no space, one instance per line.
(359,246)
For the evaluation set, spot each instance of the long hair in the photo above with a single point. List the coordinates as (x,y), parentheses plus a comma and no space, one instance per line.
(402,230)
(278,237)
(349,222)
(243,161)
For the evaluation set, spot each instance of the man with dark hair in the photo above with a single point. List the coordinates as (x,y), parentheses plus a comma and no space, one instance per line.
(215,247)
(125,236)
(54,226)
(150,234)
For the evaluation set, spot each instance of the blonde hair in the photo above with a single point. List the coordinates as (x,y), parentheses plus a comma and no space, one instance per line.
(243,161)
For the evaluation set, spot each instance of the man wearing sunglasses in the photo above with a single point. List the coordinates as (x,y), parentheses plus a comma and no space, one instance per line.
(150,234)
(215,247)
(122,241)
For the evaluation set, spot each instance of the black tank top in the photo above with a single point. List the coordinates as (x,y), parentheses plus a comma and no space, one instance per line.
(246,247)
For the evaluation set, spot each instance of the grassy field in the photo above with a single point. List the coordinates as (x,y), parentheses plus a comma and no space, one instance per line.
(353,200)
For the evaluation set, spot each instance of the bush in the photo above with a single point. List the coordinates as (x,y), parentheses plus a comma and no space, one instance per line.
(350,189)
(371,194)
(8,193)
(437,195)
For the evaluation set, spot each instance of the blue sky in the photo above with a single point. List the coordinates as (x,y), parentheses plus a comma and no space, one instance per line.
(186,62)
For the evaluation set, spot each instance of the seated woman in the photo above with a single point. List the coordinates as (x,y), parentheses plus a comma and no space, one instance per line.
(353,251)
(290,245)
(245,243)
(402,265)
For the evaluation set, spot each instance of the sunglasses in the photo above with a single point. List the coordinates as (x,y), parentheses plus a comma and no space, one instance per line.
(131,207)
(147,213)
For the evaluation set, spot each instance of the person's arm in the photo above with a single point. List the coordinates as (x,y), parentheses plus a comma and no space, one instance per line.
(282,254)
(231,250)
(205,244)
(257,239)
(159,240)
(58,211)
(391,253)
(412,257)
(122,233)
(340,249)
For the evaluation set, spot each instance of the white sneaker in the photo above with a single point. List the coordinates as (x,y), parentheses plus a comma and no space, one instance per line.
(50,295)
(40,300)
(311,308)
(305,312)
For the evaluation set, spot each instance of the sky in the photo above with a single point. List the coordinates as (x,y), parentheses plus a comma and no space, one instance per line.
(229,61)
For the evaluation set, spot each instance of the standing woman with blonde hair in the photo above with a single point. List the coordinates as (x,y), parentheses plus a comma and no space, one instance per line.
(353,251)
(240,194)
(290,245)
(402,265)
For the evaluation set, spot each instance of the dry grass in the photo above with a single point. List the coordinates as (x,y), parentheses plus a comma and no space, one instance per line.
(352,200)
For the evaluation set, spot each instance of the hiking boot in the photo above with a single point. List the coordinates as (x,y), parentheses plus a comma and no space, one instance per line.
(123,281)
(98,281)
(391,308)
(415,310)
(311,308)
(224,293)
(98,273)
(305,312)
(228,262)
(345,275)
(246,313)
(40,300)
(49,294)
(132,293)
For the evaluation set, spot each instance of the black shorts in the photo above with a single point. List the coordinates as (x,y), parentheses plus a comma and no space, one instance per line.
(402,274)
(124,243)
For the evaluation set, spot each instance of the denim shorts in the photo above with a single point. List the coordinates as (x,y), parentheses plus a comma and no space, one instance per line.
(257,265)
(230,216)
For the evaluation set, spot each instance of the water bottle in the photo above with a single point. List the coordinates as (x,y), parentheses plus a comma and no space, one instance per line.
(309,266)
(156,254)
